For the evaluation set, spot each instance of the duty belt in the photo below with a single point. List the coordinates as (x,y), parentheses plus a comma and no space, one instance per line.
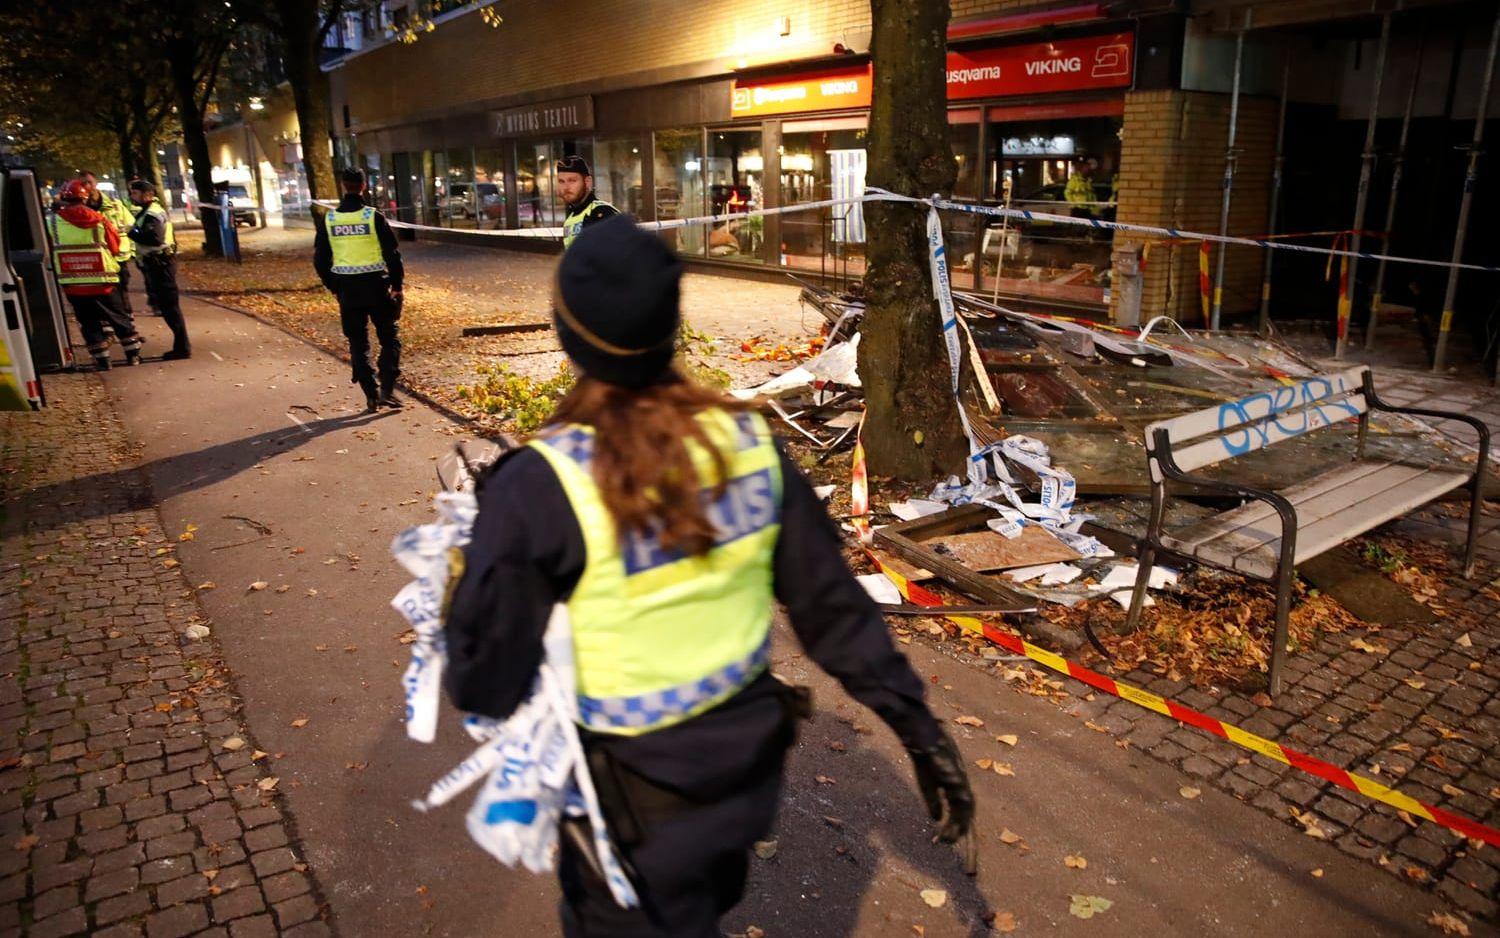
(644,710)
(360,269)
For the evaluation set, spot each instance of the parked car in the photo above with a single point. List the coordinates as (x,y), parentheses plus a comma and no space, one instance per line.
(242,206)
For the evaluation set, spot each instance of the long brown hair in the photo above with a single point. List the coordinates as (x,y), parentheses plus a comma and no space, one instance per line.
(642,465)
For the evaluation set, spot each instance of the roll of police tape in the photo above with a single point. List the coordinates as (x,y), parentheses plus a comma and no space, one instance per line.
(920,596)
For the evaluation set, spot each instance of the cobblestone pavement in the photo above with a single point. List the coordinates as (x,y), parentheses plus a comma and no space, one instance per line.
(1421,714)
(132,801)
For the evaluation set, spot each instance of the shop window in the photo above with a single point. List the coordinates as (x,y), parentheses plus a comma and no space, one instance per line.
(434,186)
(962,232)
(734,172)
(534,185)
(617,173)
(678,161)
(489,188)
(1065,166)
(458,206)
(824,160)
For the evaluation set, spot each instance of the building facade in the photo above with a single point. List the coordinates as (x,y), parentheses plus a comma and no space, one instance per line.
(696,109)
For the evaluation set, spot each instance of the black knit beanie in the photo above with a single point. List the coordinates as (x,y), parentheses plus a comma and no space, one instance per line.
(617,311)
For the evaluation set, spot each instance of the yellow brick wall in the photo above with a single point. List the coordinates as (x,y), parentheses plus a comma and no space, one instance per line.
(543,45)
(1171,175)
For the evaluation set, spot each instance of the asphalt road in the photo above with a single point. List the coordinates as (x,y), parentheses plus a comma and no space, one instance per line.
(263,427)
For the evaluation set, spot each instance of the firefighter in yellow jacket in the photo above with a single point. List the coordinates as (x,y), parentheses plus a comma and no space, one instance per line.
(668,522)
(85,246)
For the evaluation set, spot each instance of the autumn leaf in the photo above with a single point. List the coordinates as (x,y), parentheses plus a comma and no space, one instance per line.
(1413,683)
(208,585)
(1318,873)
(257,586)
(1464,641)
(233,744)
(937,898)
(968,721)
(1360,644)
(299,723)
(1309,822)
(24,844)
(823,780)
(1449,923)
(1075,862)
(984,763)
(1088,906)
(1008,836)
(1008,739)
(1004,922)
(268,783)
(258,755)
(282,588)
(765,849)
(1002,768)
(171,562)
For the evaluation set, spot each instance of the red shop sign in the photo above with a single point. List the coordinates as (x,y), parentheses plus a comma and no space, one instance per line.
(1082,64)
(1087,63)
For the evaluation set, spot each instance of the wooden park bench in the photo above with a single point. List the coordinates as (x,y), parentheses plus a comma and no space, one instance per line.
(1272,532)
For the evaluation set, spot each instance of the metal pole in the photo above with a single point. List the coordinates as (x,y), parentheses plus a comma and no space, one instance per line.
(1229,160)
(1399,161)
(1264,326)
(1440,356)
(1362,200)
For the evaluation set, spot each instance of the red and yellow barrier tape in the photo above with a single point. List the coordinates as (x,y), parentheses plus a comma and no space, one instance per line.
(918,595)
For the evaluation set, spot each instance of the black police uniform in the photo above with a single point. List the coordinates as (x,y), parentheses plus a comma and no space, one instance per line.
(365,299)
(159,269)
(684,803)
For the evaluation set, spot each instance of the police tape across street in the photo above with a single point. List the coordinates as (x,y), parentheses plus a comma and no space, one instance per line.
(1273,243)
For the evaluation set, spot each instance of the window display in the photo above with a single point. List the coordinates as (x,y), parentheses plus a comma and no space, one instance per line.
(617,173)
(734,169)
(678,162)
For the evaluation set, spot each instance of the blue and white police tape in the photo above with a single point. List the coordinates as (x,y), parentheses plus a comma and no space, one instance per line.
(532,762)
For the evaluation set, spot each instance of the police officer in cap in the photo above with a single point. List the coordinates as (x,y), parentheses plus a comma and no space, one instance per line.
(355,255)
(665,518)
(576,186)
(155,248)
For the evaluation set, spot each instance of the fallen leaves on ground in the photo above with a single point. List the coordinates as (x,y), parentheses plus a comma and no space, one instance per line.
(268,783)
(765,849)
(24,843)
(1309,822)
(1075,862)
(1088,906)
(937,898)
(1003,922)
(968,721)
(1189,792)
(1318,873)
(1008,739)
(257,586)
(1449,923)
(1360,644)
(299,723)
(1008,836)
(208,585)
(233,744)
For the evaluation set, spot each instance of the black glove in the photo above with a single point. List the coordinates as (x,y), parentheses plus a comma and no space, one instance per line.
(950,801)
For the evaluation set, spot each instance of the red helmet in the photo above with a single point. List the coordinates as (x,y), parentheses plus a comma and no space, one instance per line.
(74,190)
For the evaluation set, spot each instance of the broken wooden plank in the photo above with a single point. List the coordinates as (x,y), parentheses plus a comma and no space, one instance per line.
(986,550)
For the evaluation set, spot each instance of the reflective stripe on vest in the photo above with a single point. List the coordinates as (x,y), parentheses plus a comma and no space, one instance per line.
(169,236)
(573,224)
(81,255)
(660,636)
(355,245)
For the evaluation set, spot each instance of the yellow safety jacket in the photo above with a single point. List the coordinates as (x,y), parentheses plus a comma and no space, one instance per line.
(81,255)
(122,219)
(355,245)
(660,636)
(573,224)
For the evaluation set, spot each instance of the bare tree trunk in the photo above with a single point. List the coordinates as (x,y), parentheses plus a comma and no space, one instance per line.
(299,35)
(194,140)
(912,429)
(125,141)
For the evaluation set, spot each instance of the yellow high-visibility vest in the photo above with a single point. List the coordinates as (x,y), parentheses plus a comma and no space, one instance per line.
(573,224)
(355,245)
(81,255)
(122,219)
(169,236)
(660,636)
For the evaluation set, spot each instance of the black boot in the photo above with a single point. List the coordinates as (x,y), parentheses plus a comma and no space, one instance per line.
(372,397)
(175,354)
(101,362)
(388,394)
(132,356)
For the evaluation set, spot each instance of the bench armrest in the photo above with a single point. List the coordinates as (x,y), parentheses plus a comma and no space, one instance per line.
(1284,508)
(1480,427)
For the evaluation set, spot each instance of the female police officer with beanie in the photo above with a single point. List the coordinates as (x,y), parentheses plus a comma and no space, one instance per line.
(668,522)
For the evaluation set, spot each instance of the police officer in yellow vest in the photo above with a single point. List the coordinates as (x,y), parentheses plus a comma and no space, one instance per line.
(667,521)
(576,187)
(121,218)
(355,255)
(156,247)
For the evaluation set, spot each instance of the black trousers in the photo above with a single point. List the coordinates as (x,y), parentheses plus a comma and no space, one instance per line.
(124,290)
(160,273)
(94,313)
(359,310)
(689,866)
